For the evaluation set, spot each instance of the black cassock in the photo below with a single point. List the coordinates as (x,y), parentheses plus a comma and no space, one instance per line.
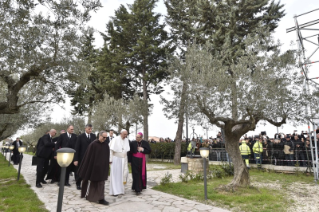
(138,169)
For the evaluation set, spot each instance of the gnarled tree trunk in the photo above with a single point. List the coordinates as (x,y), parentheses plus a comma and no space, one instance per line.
(241,174)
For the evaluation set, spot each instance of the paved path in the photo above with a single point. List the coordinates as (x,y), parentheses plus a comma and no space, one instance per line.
(149,201)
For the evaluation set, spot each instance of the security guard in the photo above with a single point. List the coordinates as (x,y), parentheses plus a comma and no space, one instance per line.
(258,151)
(245,152)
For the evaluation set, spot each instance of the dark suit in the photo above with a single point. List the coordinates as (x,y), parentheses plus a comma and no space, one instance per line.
(54,169)
(81,145)
(65,142)
(44,152)
(16,153)
(108,139)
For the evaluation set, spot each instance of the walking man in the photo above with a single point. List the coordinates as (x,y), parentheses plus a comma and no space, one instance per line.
(44,152)
(138,149)
(67,140)
(82,143)
(94,170)
(119,146)
(16,155)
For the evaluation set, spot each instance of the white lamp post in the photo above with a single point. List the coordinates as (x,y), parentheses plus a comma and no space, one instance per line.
(21,149)
(204,152)
(64,159)
(11,147)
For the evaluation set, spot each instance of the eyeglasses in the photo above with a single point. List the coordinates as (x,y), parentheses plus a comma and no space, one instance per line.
(104,137)
(138,137)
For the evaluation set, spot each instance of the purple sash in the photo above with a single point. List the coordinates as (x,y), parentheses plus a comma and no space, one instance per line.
(141,155)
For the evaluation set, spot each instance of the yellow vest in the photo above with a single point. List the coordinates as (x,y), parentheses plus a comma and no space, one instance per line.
(258,147)
(244,149)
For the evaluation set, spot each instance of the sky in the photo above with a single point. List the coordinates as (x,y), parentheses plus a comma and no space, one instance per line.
(161,126)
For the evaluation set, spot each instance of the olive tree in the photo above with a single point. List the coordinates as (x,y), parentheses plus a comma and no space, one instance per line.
(40,44)
(261,85)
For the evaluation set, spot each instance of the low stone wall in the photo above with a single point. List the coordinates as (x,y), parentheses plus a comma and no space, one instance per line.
(196,165)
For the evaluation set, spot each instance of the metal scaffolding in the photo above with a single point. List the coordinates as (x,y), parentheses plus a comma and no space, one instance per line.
(306,61)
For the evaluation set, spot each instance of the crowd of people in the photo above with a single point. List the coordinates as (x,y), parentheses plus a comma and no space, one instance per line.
(282,149)
(94,158)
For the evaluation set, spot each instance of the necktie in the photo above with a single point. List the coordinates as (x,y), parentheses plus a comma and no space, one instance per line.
(88,136)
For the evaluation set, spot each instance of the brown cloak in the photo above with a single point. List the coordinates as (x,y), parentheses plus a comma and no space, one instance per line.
(95,163)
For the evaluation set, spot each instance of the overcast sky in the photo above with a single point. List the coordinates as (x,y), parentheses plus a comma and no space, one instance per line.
(158,124)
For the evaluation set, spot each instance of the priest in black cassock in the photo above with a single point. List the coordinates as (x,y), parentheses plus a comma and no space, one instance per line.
(138,149)
(94,170)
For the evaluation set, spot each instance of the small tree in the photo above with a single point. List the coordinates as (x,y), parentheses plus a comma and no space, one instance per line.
(117,113)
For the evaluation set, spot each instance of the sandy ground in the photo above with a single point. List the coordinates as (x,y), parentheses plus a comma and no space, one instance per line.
(305,196)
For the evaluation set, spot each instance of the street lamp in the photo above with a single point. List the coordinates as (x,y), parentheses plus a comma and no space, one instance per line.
(11,147)
(204,152)
(21,149)
(64,159)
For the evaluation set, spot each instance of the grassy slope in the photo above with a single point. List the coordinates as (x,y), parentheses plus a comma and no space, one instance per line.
(244,199)
(16,195)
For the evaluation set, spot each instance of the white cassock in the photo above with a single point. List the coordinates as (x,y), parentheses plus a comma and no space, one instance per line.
(119,169)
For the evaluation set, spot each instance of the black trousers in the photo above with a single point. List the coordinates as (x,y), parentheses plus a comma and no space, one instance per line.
(78,179)
(42,168)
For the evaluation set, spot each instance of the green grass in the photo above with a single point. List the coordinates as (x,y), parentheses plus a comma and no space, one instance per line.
(16,196)
(248,199)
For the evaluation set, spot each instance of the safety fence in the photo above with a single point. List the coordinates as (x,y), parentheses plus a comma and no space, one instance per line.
(299,157)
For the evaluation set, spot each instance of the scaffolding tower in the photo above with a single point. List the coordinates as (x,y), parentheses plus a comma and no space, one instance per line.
(308,46)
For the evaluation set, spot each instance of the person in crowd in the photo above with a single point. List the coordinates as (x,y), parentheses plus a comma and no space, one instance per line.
(54,169)
(82,143)
(266,148)
(245,152)
(44,152)
(138,149)
(289,151)
(67,140)
(299,154)
(94,170)
(258,150)
(119,147)
(16,155)
(191,147)
(110,137)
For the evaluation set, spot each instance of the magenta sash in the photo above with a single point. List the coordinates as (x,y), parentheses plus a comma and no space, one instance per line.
(141,155)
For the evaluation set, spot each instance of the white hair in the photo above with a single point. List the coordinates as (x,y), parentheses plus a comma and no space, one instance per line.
(123,130)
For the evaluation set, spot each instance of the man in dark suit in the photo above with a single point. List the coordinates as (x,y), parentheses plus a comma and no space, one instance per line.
(109,138)
(81,145)
(16,154)
(44,152)
(67,140)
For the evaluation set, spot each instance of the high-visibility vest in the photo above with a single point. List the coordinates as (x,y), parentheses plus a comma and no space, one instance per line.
(244,149)
(258,147)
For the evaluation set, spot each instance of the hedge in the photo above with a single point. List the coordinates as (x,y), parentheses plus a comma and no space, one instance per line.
(166,150)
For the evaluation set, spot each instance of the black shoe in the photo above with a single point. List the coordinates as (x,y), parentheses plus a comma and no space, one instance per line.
(103,202)
(138,193)
(38,185)
(43,182)
(67,184)
(78,187)
(53,181)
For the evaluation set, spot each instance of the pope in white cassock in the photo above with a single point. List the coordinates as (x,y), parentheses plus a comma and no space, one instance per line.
(119,146)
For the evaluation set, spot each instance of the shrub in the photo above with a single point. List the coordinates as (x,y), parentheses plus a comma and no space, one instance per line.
(166,150)
(167,179)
